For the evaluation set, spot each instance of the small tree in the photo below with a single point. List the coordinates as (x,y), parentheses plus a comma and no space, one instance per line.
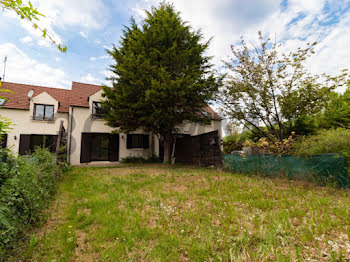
(161,77)
(268,90)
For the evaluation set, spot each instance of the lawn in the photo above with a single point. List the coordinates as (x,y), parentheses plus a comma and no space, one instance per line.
(165,213)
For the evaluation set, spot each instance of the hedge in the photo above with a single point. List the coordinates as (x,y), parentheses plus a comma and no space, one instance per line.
(26,185)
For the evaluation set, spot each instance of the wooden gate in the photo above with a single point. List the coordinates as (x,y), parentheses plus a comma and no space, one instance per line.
(203,150)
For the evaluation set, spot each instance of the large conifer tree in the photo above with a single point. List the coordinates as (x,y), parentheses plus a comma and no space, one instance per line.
(161,76)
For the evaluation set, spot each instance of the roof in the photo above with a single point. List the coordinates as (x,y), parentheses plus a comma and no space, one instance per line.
(77,96)
(214,115)
(81,92)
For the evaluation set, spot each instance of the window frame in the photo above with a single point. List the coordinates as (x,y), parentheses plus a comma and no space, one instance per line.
(96,115)
(44,117)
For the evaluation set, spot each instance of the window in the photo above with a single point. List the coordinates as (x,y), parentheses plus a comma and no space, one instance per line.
(100,146)
(137,141)
(43,112)
(28,143)
(47,141)
(97,110)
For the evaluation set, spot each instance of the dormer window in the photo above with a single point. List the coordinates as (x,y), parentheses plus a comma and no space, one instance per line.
(43,112)
(97,111)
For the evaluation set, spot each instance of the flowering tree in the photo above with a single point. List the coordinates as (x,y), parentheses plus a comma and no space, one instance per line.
(268,90)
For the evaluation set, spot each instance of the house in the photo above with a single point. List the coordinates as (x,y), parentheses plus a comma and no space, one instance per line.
(36,113)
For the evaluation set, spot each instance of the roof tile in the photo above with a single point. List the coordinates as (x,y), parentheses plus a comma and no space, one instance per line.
(77,96)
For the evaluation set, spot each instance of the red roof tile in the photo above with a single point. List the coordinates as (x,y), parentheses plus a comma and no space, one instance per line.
(81,92)
(77,96)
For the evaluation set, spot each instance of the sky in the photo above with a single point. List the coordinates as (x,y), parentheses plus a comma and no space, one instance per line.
(88,27)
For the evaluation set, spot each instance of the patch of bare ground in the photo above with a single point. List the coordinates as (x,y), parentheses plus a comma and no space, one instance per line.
(56,216)
(85,211)
(83,251)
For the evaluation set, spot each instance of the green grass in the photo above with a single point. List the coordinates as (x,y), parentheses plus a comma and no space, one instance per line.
(164,213)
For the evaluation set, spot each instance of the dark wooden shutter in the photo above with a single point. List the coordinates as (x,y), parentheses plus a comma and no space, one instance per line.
(129,141)
(4,141)
(85,148)
(145,140)
(24,144)
(113,148)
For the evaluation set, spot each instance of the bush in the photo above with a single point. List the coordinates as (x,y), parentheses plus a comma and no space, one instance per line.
(235,141)
(26,185)
(324,142)
(134,159)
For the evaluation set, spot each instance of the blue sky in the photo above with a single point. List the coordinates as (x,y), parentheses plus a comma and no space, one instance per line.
(87,27)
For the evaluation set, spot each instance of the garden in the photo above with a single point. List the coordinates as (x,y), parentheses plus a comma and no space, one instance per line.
(154,212)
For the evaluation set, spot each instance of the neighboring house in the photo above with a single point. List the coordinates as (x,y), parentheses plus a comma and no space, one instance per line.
(36,113)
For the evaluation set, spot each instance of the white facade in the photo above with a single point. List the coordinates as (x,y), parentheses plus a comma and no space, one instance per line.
(77,121)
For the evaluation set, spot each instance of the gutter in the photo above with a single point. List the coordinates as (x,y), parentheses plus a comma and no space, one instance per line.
(70,121)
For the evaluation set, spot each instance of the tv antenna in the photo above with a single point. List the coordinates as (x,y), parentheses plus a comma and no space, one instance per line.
(5,60)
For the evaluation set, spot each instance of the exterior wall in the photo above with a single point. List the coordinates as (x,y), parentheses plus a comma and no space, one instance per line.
(22,122)
(83,122)
(195,129)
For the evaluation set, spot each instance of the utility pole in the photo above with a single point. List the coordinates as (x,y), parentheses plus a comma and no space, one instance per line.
(5,60)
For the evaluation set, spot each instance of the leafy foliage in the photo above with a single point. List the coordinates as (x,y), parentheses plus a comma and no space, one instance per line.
(265,146)
(337,111)
(161,76)
(325,141)
(26,183)
(235,141)
(5,126)
(31,14)
(268,90)
(134,159)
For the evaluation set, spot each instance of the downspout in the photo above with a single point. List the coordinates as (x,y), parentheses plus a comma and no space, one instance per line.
(70,121)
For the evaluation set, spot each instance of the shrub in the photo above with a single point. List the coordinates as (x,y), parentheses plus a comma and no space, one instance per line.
(265,146)
(235,141)
(134,159)
(324,142)
(24,192)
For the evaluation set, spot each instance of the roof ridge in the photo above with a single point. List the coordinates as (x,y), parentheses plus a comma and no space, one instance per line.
(86,84)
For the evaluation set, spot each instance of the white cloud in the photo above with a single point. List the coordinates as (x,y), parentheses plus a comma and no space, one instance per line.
(82,13)
(224,20)
(83,34)
(296,24)
(63,14)
(22,69)
(99,57)
(26,39)
(89,79)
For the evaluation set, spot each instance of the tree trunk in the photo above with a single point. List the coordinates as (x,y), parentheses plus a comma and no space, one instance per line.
(167,145)
(173,153)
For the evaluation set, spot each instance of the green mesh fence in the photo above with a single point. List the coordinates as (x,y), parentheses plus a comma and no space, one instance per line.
(323,169)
